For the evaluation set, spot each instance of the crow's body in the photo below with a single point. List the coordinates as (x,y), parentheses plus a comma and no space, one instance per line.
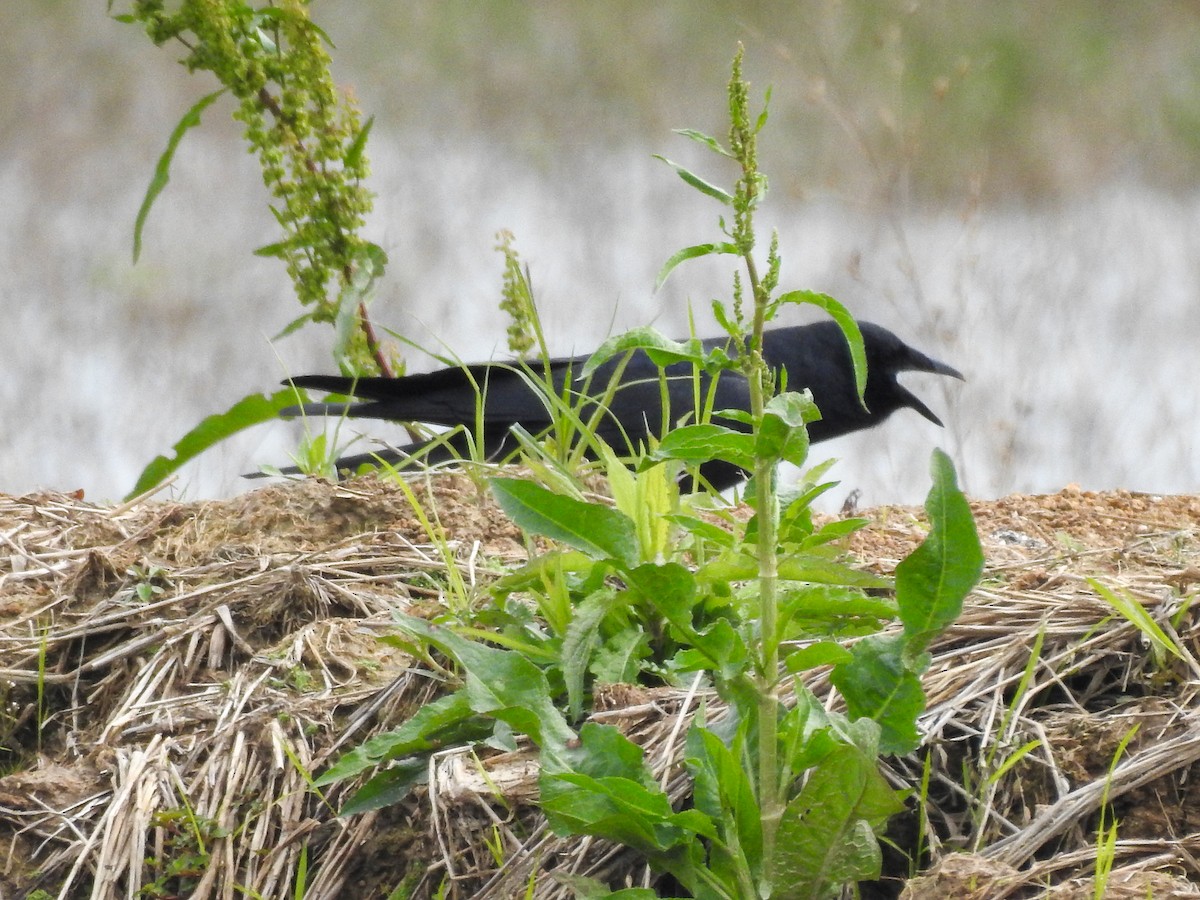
(815,357)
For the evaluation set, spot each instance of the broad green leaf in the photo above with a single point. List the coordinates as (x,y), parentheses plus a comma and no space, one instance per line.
(718,649)
(881,685)
(696,444)
(426,730)
(162,171)
(502,684)
(817,602)
(782,435)
(691,253)
(598,531)
(827,836)
(619,660)
(662,350)
(933,580)
(670,589)
(822,653)
(248,411)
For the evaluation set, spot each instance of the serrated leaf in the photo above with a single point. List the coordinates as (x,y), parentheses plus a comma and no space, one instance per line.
(162,170)
(580,642)
(598,531)
(248,411)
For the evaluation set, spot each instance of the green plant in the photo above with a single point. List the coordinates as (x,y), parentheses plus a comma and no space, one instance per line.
(787,797)
(1106,830)
(186,855)
(1128,606)
(310,143)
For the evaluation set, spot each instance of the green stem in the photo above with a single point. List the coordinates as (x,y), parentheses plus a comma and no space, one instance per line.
(770,801)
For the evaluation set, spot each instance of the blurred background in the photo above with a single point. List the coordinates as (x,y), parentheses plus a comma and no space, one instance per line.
(1010,186)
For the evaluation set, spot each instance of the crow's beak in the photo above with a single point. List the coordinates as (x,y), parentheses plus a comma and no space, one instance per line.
(919,362)
(913,402)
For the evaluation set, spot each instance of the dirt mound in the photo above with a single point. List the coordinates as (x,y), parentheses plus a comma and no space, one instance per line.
(172,674)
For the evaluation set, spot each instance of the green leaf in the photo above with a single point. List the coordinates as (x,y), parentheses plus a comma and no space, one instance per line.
(793,567)
(699,137)
(670,590)
(502,684)
(604,788)
(620,659)
(932,582)
(432,726)
(699,183)
(691,253)
(703,529)
(849,326)
(212,430)
(598,531)
(1128,606)
(354,153)
(162,171)
(591,889)
(696,444)
(367,267)
(822,653)
(662,350)
(831,609)
(826,837)
(277,250)
(580,643)
(782,434)
(722,790)
(881,684)
(293,326)
(388,787)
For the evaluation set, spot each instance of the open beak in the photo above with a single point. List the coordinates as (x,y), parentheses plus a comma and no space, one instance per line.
(919,362)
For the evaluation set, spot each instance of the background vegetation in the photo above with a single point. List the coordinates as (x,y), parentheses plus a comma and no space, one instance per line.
(954,168)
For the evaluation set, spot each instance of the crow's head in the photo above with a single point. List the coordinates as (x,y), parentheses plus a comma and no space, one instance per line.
(887,357)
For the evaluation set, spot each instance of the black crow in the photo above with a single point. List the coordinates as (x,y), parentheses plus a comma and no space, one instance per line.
(815,356)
